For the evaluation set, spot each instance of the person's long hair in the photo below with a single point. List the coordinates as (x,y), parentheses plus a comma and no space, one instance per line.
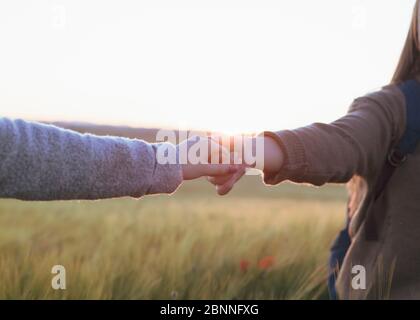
(408,67)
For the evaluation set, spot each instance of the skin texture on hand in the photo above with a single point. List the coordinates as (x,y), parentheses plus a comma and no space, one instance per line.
(224,184)
(192,171)
(273,161)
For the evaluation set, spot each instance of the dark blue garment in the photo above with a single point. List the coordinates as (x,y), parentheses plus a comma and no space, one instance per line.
(411,90)
(337,253)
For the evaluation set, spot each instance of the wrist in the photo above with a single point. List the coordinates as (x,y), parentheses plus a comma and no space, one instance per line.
(273,155)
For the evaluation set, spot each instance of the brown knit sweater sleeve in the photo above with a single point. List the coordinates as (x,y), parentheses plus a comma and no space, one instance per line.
(357,143)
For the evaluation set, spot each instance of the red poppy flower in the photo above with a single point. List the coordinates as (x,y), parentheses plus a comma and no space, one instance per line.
(244,265)
(266,262)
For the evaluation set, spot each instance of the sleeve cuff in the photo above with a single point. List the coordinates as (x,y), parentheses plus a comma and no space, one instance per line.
(166,177)
(295,164)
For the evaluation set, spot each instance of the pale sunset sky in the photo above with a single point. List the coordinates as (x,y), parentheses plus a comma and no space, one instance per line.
(229,65)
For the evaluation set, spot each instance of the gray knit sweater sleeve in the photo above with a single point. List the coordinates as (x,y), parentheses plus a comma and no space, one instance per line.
(43,162)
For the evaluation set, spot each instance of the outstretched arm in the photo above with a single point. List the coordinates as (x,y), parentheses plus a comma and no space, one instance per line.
(43,162)
(357,143)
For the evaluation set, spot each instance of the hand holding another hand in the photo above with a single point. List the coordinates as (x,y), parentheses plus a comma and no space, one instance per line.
(225,175)
(271,160)
(225,183)
(194,168)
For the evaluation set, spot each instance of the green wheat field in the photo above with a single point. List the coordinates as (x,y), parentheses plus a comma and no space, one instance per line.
(256,243)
